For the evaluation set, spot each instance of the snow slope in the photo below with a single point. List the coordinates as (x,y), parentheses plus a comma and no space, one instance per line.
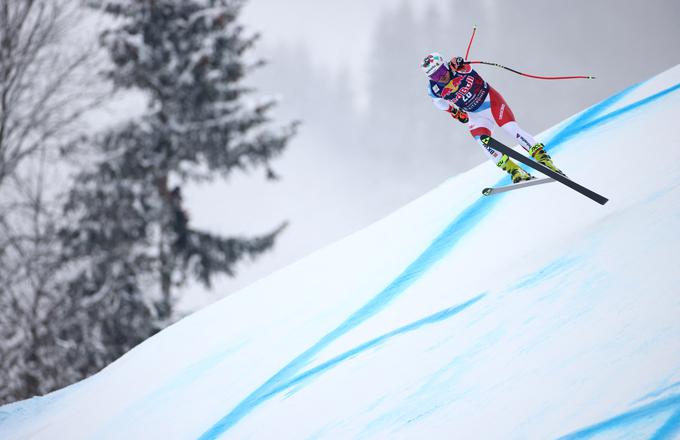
(533,314)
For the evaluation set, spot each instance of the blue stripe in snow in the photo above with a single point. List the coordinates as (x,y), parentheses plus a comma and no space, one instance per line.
(432,319)
(659,392)
(626,419)
(589,119)
(554,268)
(425,261)
(628,108)
(585,118)
(669,429)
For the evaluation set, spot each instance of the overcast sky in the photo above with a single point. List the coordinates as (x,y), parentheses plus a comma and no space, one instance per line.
(338,32)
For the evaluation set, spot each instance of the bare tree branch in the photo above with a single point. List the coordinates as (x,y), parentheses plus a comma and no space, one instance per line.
(46,87)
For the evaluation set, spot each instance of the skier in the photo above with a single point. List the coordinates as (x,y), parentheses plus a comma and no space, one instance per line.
(458,89)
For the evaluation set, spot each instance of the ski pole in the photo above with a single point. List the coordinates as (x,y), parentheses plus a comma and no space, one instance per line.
(528,75)
(467,52)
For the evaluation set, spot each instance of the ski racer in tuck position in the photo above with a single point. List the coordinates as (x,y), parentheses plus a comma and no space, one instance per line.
(459,90)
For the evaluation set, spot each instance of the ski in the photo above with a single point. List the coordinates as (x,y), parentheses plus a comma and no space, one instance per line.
(493,143)
(501,189)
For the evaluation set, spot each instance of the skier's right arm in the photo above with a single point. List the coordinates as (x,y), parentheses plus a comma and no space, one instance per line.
(454,111)
(459,114)
(443,104)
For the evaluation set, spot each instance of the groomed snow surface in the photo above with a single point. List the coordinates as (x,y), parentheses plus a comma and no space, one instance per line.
(534,314)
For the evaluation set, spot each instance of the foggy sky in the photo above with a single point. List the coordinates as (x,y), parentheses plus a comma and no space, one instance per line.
(329,61)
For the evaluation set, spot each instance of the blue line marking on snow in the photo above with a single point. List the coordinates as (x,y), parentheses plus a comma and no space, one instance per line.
(589,118)
(439,247)
(585,118)
(633,106)
(670,427)
(659,392)
(425,261)
(552,269)
(432,319)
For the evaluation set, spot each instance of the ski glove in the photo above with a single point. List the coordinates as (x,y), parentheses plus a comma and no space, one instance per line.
(457,63)
(459,114)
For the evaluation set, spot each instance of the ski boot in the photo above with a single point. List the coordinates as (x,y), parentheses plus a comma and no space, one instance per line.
(539,154)
(517,173)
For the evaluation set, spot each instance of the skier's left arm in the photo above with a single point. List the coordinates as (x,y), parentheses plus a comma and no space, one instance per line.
(458,64)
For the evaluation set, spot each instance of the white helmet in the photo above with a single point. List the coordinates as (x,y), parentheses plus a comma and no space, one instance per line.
(432,62)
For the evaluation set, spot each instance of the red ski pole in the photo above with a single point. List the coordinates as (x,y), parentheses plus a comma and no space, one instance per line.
(467,52)
(528,75)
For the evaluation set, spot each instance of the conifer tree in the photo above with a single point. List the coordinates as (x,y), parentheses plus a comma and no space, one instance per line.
(130,238)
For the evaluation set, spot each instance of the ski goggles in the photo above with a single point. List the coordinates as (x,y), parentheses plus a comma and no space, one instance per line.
(439,73)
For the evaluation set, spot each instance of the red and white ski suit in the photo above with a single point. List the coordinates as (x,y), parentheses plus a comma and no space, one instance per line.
(468,91)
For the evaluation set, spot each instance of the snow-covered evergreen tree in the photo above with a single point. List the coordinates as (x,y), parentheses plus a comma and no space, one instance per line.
(130,239)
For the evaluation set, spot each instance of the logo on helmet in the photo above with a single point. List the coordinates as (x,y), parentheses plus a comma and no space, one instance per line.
(431,63)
